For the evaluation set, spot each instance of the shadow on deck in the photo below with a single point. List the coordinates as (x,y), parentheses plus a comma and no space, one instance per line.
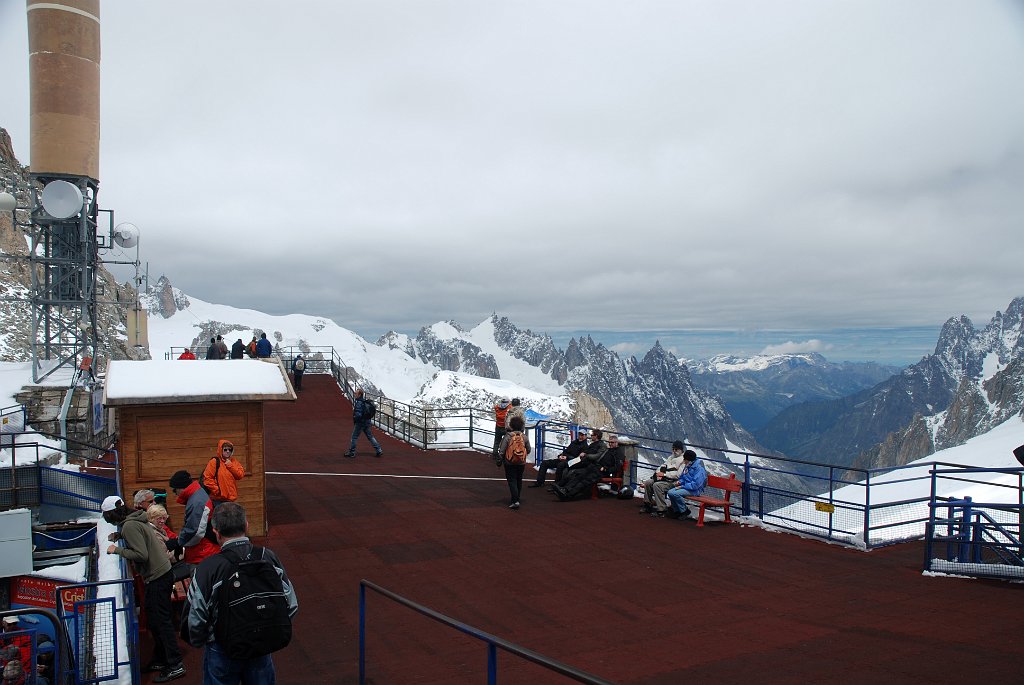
(626,597)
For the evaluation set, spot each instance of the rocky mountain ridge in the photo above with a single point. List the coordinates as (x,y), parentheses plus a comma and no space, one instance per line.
(756,389)
(969,384)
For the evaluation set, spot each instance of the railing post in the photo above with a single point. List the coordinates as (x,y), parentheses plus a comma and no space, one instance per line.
(867,509)
(492,664)
(831,499)
(362,634)
(964,551)
(470,429)
(929,528)
(746,485)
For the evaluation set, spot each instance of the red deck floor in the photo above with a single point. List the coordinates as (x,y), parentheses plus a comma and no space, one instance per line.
(626,597)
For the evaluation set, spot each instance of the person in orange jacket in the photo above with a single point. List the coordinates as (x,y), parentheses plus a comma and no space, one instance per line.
(221,472)
(187,354)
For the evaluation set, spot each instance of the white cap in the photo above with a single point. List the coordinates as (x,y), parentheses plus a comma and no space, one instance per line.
(111,503)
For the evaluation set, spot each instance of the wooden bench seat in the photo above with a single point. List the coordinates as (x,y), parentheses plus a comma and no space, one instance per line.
(727,486)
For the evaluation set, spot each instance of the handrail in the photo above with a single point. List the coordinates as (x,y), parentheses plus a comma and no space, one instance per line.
(493,642)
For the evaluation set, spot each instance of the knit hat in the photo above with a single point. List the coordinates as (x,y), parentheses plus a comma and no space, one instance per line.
(111,503)
(678,445)
(181,480)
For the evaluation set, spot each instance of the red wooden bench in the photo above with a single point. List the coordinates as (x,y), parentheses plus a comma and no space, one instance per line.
(615,481)
(727,486)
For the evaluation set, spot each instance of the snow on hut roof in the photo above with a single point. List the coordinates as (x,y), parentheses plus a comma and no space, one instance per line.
(173,381)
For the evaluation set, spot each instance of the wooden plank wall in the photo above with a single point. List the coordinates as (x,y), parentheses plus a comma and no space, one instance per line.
(157,440)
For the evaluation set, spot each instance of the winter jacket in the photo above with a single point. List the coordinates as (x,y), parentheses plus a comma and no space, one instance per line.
(238,349)
(514,410)
(674,466)
(219,476)
(359,411)
(694,478)
(500,412)
(201,605)
(264,348)
(187,354)
(192,536)
(507,439)
(142,548)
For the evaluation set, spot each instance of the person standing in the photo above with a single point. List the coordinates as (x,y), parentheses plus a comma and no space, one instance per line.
(514,448)
(501,408)
(516,409)
(250,349)
(213,352)
(195,535)
(141,547)
(222,348)
(221,473)
(263,347)
(202,620)
(362,412)
(298,368)
(238,349)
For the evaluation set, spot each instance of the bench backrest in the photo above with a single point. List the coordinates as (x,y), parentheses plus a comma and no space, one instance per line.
(726,485)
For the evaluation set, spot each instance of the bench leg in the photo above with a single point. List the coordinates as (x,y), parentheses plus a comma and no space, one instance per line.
(700,516)
(593,492)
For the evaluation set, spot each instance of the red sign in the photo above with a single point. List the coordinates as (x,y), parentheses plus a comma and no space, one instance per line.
(38,592)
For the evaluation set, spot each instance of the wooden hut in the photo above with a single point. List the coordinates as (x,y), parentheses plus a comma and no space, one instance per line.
(171,415)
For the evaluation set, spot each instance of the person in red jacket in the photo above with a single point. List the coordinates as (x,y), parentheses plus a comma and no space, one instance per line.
(221,472)
(187,354)
(195,536)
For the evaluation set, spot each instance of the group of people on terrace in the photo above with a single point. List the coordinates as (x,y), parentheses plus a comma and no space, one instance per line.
(257,348)
(192,555)
(586,460)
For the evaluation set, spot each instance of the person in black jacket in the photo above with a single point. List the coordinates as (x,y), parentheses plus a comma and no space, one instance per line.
(238,350)
(559,463)
(598,461)
(361,419)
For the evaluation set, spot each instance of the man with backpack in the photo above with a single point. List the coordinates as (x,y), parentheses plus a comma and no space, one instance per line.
(298,368)
(221,474)
(239,606)
(514,448)
(362,413)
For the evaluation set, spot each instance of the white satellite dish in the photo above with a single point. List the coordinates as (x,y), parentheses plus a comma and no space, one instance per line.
(62,200)
(126,235)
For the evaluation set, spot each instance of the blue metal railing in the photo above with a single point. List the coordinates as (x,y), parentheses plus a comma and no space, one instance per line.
(976,538)
(494,643)
(92,623)
(851,506)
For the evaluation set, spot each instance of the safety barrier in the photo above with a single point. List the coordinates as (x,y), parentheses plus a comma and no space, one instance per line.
(494,643)
(862,508)
(37,656)
(976,538)
(103,629)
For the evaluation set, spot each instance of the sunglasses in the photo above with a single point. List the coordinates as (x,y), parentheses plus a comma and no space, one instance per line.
(229,449)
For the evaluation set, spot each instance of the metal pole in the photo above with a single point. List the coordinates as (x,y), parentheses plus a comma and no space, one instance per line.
(492,664)
(362,634)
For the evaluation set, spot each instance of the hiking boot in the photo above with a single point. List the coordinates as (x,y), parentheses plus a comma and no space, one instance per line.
(514,505)
(350,455)
(379,452)
(154,667)
(671,514)
(646,508)
(657,514)
(535,485)
(170,673)
(684,514)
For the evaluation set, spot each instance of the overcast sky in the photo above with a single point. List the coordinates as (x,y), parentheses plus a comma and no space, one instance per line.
(579,165)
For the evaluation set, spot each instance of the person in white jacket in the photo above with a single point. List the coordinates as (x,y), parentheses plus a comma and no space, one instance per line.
(663,480)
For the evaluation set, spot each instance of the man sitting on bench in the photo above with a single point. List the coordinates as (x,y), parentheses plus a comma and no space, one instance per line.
(559,463)
(692,481)
(599,460)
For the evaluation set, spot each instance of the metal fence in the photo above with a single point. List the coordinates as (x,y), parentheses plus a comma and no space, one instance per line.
(979,538)
(862,508)
(103,629)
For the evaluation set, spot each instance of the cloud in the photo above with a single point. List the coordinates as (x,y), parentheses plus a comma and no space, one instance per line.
(571,164)
(792,347)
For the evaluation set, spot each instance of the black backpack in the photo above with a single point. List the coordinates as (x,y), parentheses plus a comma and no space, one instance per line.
(252,616)
(369,409)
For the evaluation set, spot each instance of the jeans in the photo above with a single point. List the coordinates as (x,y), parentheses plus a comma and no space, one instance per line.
(157,599)
(676,495)
(514,476)
(363,427)
(220,669)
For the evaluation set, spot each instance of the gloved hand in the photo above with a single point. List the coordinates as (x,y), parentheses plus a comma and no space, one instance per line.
(172,545)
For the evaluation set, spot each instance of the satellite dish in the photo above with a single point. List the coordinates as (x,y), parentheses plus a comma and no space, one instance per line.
(62,200)
(126,235)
